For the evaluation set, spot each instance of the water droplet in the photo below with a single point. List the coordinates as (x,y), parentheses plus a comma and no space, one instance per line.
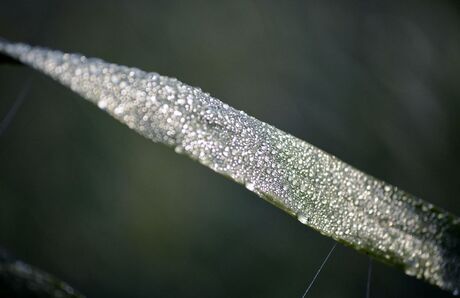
(303,187)
(250,186)
(164,108)
(179,149)
(411,269)
(303,218)
(118,110)
(140,94)
(102,104)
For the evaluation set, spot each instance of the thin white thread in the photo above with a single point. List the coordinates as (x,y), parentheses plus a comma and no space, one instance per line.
(4,124)
(319,270)
(369,273)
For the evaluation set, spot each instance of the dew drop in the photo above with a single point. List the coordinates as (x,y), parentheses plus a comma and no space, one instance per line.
(102,104)
(164,108)
(411,269)
(303,218)
(118,110)
(303,187)
(140,94)
(250,186)
(179,149)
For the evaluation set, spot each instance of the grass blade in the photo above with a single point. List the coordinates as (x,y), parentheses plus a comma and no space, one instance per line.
(320,190)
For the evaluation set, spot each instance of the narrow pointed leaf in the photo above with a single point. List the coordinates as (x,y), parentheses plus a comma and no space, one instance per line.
(320,190)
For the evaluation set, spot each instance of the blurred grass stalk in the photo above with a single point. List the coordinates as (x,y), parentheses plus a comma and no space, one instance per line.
(317,188)
(18,279)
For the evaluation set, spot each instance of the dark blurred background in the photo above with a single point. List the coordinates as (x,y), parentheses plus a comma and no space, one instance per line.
(375,83)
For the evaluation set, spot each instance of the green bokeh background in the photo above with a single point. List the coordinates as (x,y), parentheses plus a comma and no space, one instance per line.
(375,83)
